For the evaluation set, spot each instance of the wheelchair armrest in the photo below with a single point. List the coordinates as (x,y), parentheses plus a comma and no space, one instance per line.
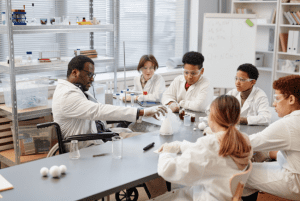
(84,137)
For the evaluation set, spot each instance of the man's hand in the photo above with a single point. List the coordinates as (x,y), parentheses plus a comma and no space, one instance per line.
(174,106)
(182,103)
(128,98)
(155,111)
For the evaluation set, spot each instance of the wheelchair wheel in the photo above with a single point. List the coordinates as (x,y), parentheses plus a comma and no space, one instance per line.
(131,194)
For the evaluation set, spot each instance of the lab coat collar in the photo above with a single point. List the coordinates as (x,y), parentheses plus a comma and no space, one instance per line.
(248,100)
(65,82)
(148,82)
(183,81)
(294,113)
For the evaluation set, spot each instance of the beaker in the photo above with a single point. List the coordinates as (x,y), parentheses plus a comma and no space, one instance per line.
(74,150)
(187,120)
(57,20)
(117,147)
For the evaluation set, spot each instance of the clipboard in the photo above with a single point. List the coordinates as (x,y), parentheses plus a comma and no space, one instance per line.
(148,103)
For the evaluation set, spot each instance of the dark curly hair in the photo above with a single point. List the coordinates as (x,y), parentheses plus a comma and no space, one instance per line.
(250,69)
(145,58)
(78,63)
(288,85)
(193,58)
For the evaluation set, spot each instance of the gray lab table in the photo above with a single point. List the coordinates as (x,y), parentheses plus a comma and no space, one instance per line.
(91,178)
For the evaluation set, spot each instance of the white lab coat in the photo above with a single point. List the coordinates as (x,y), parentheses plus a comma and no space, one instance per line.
(155,87)
(201,169)
(75,114)
(256,106)
(280,178)
(196,98)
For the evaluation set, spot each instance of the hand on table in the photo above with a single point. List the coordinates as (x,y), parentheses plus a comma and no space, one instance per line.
(172,147)
(128,98)
(174,107)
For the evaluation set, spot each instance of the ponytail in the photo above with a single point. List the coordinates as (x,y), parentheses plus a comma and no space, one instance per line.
(233,143)
(225,111)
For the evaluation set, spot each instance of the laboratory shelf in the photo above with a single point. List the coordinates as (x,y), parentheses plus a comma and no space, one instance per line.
(62,29)
(265,51)
(290,26)
(255,2)
(290,4)
(266,69)
(266,25)
(55,65)
(3,29)
(287,53)
(290,73)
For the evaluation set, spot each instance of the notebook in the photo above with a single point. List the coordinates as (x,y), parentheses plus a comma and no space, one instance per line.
(4,184)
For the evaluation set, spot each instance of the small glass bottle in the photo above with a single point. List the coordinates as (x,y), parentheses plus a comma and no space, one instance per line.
(193,118)
(132,99)
(77,19)
(29,56)
(3,18)
(78,52)
(181,114)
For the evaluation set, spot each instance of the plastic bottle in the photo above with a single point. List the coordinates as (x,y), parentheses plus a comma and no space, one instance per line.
(29,56)
(78,52)
(132,99)
(3,18)
(118,99)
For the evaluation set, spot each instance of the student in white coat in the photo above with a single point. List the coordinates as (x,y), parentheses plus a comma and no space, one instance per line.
(282,140)
(75,110)
(206,166)
(253,100)
(152,85)
(191,90)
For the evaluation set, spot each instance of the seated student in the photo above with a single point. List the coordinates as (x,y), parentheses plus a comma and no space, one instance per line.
(149,82)
(207,165)
(191,90)
(280,178)
(253,100)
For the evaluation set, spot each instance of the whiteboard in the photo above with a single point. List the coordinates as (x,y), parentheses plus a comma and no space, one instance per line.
(227,42)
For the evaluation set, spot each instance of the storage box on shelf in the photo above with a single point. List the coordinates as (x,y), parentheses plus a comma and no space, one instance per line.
(7,153)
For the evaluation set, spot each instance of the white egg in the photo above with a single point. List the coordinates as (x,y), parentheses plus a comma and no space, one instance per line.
(55,171)
(63,169)
(201,126)
(44,171)
(195,129)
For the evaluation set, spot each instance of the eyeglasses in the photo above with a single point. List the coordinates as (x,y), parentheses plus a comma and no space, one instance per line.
(191,72)
(152,68)
(277,99)
(242,79)
(90,74)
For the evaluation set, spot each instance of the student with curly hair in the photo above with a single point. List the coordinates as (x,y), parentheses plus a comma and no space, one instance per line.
(191,90)
(253,100)
(282,140)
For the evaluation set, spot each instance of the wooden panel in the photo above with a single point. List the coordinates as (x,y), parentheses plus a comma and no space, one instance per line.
(4,120)
(10,154)
(5,133)
(8,146)
(8,139)
(4,126)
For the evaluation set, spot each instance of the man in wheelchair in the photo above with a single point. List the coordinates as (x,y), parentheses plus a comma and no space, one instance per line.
(78,112)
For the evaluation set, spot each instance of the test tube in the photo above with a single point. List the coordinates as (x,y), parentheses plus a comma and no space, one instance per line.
(132,99)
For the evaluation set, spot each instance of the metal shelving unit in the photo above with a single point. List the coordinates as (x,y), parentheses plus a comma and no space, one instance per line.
(35,67)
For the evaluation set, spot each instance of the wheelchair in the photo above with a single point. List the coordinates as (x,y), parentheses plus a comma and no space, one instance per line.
(130,194)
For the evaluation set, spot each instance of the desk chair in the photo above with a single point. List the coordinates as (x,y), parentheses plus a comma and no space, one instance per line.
(238,181)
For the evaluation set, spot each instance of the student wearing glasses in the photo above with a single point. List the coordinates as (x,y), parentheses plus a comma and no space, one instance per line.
(191,90)
(254,101)
(77,111)
(282,140)
(152,85)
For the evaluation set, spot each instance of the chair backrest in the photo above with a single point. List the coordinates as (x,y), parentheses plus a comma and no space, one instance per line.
(238,181)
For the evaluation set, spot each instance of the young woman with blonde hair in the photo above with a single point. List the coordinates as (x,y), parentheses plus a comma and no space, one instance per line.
(207,165)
